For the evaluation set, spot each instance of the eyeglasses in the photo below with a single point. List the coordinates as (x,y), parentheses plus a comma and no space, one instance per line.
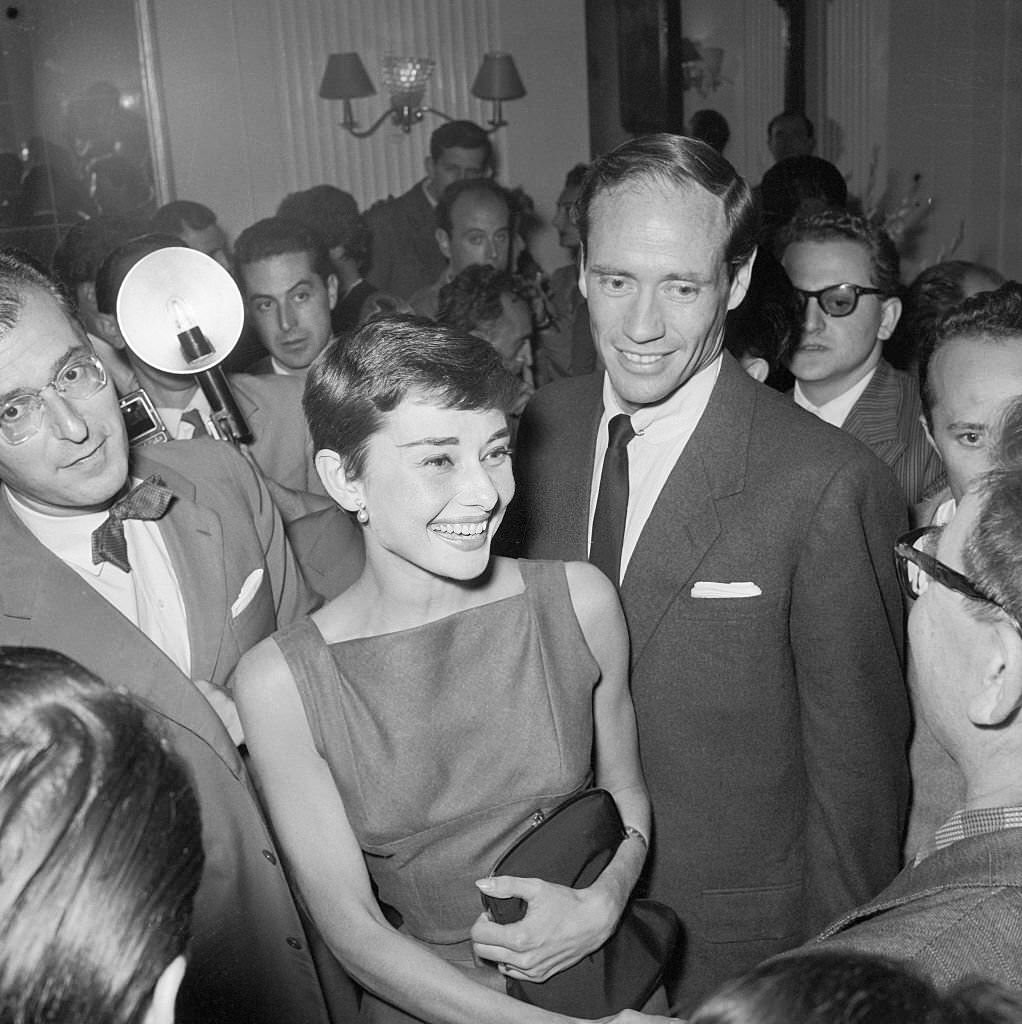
(917,567)
(21,414)
(836,300)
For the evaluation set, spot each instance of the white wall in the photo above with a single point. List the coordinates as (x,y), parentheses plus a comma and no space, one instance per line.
(246,127)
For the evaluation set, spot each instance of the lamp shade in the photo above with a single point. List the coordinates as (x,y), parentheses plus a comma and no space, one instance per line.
(345,78)
(498,79)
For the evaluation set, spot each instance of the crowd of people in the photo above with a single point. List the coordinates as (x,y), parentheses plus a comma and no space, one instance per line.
(500,537)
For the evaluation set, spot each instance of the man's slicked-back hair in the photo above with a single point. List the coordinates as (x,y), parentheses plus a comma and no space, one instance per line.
(470,187)
(100,846)
(356,380)
(114,269)
(173,218)
(279,236)
(20,273)
(460,135)
(842,226)
(674,161)
(991,316)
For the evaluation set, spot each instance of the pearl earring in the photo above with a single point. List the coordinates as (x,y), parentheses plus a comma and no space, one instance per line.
(362,515)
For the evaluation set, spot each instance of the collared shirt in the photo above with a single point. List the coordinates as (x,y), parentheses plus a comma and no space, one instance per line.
(944,513)
(661,433)
(179,428)
(149,597)
(967,824)
(286,371)
(836,411)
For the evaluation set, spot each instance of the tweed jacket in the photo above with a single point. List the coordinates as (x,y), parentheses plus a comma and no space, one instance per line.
(958,912)
(888,418)
(404,256)
(773,724)
(249,958)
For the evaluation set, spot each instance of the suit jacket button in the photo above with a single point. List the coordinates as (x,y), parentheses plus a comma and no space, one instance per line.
(268,854)
(293,942)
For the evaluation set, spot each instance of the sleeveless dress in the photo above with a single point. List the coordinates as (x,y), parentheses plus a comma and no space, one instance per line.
(444,739)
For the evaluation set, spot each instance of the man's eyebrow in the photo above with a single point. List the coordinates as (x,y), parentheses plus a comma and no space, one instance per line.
(56,366)
(966,425)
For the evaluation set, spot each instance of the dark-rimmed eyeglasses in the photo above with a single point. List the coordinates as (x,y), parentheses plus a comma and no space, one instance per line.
(916,567)
(836,300)
(21,413)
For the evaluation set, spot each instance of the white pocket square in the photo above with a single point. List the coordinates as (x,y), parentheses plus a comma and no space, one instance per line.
(247,592)
(704,589)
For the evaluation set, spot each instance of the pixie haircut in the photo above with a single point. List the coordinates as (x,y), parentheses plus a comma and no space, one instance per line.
(355,381)
(992,316)
(470,187)
(278,236)
(180,215)
(19,273)
(841,226)
(100,846)
(460,135)
(678,162)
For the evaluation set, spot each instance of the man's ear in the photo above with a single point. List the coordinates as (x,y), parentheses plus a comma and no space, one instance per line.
(890,314)
(344,489)
(444,241)
(1000,694)
(110,331)
(740,282)
(582,272)
(331,289)
(161,1007)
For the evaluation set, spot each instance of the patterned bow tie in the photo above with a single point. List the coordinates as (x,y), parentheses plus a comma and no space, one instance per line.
(149,500)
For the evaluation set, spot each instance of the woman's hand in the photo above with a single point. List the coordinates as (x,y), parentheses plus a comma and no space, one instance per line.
(560,927)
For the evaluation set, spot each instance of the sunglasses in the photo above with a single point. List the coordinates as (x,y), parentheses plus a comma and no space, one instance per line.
(836,300)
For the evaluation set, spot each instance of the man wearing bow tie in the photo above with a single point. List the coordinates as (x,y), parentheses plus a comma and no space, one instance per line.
(158,589)
(752,548)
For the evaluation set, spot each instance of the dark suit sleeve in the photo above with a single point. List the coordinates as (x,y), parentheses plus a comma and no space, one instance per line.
(846,626)
(383,252)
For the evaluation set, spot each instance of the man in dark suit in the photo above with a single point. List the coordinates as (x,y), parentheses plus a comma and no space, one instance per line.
(845,271)
(404,255)
(956,909)
(163,606)
(752,545)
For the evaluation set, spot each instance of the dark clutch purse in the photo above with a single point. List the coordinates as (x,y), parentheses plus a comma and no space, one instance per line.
(571,846)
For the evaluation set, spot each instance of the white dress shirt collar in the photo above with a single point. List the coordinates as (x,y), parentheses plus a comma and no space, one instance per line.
(836,411)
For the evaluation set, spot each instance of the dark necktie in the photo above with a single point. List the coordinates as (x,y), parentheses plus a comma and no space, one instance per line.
(149,500)
(612,501)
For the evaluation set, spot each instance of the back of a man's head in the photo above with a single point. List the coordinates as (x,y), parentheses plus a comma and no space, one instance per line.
(100,849)
(114,269)
(674,161)
(181,214)
(279,236)
(86,244)
(332,215)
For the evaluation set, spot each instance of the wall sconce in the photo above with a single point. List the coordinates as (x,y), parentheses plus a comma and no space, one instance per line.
(701,67)
(406,78)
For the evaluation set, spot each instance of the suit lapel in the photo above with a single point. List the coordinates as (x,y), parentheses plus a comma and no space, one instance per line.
(684,522)
(52,600)
(876,416)
(194,539)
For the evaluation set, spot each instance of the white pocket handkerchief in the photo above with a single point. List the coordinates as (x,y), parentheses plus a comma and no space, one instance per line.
(247,592)
(704,589)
